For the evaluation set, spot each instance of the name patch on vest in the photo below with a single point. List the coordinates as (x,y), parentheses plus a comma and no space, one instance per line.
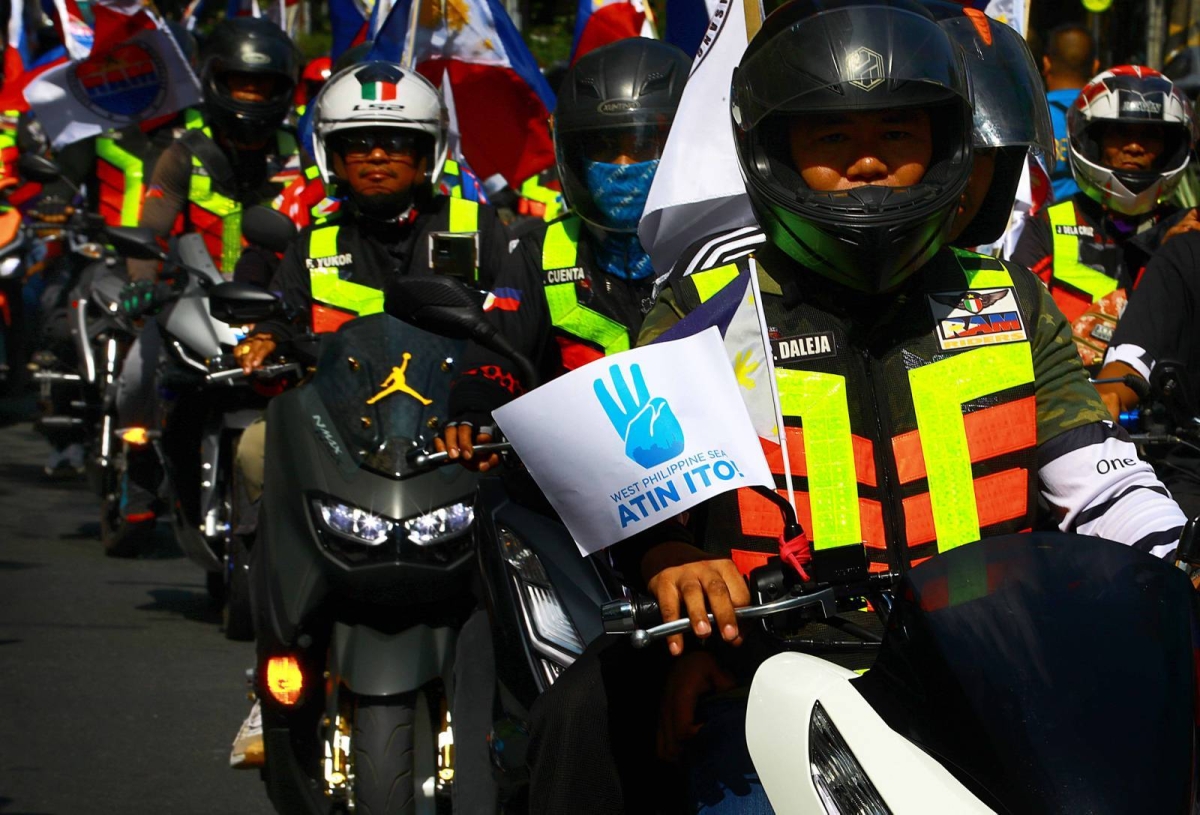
(976,317)
(331,261)
(804,347)
(1078,230)
(572,275)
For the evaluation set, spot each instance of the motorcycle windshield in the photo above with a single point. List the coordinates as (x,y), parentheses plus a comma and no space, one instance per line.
(1049,673)
(384,382)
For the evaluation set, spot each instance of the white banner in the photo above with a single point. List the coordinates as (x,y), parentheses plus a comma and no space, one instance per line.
(685,205)
(649,433)
(144,78)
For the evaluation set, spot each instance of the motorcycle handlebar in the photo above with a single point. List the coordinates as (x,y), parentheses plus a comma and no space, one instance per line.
(438,459)
(640,618)
(266,372)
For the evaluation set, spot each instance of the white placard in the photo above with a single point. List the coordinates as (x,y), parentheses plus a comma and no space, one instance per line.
(634,439)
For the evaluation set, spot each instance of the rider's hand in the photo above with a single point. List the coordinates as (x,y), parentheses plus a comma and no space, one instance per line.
(459,442)
(689,678)
(253,351)
(1189,223)
(682,577)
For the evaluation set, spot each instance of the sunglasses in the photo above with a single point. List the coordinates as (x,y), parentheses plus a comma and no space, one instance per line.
(361,145)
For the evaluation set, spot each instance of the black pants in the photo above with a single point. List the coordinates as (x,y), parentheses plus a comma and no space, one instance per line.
(592,748)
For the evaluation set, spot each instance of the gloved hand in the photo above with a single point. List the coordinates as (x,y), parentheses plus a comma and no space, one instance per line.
(143,297)
(51,210)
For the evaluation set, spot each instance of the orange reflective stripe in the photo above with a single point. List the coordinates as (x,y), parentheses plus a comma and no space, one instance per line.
(761,519)
(991,432)
(747,562)
(999,497)
(864,456)
(326,319)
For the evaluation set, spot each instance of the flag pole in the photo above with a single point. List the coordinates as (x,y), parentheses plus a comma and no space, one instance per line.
(409,57)
(754,17)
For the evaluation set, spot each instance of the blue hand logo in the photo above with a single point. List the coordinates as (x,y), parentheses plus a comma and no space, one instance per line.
(648,427)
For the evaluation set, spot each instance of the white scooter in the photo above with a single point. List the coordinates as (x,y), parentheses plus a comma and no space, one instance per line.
(1037,673)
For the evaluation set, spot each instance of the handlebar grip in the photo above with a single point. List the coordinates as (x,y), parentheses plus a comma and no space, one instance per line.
(628,615)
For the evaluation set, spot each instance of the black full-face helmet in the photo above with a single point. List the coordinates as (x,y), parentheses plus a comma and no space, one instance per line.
(248,45)
(848,56)
(1011,113)
(623,94)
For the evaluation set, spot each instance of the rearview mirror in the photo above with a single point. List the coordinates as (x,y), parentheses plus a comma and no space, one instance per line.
(268,228)
(437,304)
(33,167)
(137,242)
(241,303)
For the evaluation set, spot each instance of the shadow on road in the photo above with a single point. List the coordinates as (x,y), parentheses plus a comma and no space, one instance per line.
(4,804)
(15,566)
(191,605)
(14,409)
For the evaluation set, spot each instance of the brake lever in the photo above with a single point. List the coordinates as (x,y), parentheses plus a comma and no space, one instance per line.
(267,371)
(825,598)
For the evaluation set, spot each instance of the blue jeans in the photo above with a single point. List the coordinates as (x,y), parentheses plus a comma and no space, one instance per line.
(721,777)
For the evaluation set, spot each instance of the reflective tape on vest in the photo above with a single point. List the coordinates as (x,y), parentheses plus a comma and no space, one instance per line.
(939,391)
(819,399)
(1067,267)
(711,281)
(549,200)
(328,289)
(133,169)
(560,250)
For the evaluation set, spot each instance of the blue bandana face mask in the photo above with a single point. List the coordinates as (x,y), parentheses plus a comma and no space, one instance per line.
(620,190)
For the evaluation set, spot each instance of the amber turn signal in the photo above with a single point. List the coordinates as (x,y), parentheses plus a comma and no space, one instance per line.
(284,680)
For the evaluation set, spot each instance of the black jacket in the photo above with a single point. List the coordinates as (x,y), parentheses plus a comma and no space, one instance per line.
(375,253)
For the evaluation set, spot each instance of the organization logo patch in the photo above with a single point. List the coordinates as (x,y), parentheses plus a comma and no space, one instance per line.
(864,68)
(126,83)
(966,319)
(803,347)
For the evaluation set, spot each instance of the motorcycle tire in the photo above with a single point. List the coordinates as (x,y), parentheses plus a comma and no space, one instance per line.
(383,742)
(238,618)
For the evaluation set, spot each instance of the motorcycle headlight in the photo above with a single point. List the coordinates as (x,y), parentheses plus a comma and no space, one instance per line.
(353,523)
(443,522)
(840,780)
(10,266)
(553,635)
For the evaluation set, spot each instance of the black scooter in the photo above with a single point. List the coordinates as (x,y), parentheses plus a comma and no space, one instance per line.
(407,613)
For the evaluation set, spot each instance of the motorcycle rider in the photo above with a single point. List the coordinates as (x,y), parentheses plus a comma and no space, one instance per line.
(587,281)
(234,153)
(952,390)
(1131,137)
(1159,326)
(383,159)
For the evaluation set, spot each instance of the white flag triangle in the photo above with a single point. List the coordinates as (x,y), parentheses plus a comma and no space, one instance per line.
(685,204)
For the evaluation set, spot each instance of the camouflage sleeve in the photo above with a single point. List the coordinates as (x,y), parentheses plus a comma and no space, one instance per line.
(1065,398)
(662,316)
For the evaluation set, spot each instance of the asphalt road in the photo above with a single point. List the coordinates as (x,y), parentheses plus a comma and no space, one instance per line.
(118,692)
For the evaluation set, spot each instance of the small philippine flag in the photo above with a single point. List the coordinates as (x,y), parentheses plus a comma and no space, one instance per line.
(503,300)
